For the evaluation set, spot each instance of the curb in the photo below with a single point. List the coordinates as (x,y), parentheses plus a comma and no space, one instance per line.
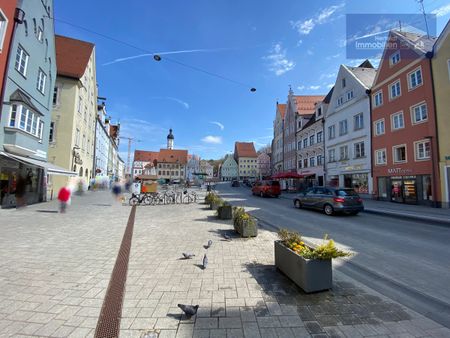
(424,219)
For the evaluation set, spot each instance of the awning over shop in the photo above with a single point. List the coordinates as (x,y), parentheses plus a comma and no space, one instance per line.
(52,169)
(289,175)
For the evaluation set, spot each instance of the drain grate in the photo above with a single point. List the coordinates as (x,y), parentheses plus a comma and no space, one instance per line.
(108,325)
(48,211)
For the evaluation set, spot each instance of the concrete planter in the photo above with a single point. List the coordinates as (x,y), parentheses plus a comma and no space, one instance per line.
(214,205)
(311,275)
(247,228)
(225,212)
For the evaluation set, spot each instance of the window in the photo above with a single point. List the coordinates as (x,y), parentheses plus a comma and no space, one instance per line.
(399,153)
(21,61)
(311,140)
(51,136)
(379,127)
(299,124)
(34,125)
(397,121)
(55,95)
(41,81)
(40,34)
(380,157)
(319,160)
(299,145)
(395,90)
(358,121)
(343,153)
(77,137)
(305,143)
(343,83)
(319,111)
(415,78)
(378,99)
(340,101)
(80,103)
(319,137)
(305,163)
(300,164)
(331,132)
(395,58)
(12,116)
(422,151)
(419,113)
(342,127)
(40,130)
(359,150)
(3,27)
(331,155)
(312,162)
(349,95)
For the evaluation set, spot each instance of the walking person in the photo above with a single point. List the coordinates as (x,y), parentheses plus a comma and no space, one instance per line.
(21,187)
(63,197)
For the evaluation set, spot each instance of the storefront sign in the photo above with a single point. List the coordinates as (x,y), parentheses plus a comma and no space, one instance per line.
(399,171)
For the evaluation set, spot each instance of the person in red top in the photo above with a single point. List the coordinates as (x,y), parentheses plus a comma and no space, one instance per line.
(63,197)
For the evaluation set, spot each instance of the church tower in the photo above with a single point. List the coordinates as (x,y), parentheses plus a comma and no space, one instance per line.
(170,139)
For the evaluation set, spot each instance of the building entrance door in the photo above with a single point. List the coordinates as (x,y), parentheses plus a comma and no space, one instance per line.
(396,190)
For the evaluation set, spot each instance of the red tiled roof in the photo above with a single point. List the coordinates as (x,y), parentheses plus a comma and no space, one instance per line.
(173,156)
(145,156)
(72,56)
(306,103)
(282,109)
(244,149)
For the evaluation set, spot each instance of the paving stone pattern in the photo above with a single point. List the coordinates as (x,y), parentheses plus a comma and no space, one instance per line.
(54,270)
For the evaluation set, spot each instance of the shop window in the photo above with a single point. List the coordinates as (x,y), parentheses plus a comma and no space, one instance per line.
(399,153)
(382,187)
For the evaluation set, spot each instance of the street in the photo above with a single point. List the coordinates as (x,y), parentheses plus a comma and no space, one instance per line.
(409,260)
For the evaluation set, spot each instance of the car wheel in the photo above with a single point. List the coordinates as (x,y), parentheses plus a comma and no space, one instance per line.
(328,209)
(261,194)
(298,204)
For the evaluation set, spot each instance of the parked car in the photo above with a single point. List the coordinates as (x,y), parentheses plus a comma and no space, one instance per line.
(266,188)
(235,183)
(330,200)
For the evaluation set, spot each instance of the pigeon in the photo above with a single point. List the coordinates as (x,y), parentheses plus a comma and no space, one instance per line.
(227,238)
(209,244)
(205,261)
(189,310)
(188,255)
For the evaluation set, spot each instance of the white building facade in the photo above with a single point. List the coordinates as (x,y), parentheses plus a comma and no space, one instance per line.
(207,168)
(264,168)
(193,167)
(102,144)
(347,128)
(229,169)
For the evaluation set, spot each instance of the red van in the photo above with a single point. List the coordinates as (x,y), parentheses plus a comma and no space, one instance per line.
(266,188)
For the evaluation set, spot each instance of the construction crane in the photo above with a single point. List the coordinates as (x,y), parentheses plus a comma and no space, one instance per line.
(130,139)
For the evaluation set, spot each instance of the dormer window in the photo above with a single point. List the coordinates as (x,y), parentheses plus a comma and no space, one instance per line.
(395,58)
(343,83)
(319,111)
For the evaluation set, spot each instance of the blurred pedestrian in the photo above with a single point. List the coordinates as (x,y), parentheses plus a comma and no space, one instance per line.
(117,190)
(64,198)
(21,187)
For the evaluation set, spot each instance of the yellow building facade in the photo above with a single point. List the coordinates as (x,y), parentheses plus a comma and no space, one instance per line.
(441,78)
(72,135)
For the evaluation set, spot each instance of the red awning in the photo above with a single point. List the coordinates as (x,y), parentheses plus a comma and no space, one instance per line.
(288,175)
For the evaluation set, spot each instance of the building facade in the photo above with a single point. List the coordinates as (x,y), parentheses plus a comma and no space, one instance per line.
(29,77)
(263,165)
(245,156)
(229,169)
(441,78)
(8,18)
(207,168)
(193,168)
(347,125)
(74,115)
(404,122)
(141,160)
(172,165)
(102,143)
(278,138)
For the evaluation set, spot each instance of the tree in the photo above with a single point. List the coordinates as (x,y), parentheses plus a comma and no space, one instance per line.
(266,149)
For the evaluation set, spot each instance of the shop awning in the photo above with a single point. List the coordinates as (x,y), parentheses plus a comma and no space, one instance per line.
(52,169)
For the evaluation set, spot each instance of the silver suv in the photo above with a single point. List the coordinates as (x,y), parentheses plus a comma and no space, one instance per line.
(330,200)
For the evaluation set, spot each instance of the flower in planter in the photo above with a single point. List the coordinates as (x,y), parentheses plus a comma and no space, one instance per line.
(327,250)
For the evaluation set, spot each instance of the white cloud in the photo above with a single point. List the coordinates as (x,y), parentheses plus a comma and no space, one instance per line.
(278,63)
(314,87)
(301,87)
(212,139)
(328,75)
(141,130)
(304,27)
(183,103)
(330,85)
(441,11)
(220,125)
(310,52)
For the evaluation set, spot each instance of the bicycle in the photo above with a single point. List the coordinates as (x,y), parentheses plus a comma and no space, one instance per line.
(138,199)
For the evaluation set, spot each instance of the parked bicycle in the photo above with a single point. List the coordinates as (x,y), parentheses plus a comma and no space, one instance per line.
(137,199)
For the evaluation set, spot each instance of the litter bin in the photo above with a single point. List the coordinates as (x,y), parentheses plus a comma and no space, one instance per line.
(208,188)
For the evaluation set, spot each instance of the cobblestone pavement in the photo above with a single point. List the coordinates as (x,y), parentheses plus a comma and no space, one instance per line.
(55,268)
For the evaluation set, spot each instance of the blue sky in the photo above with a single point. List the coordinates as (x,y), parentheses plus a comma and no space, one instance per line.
(263,44)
